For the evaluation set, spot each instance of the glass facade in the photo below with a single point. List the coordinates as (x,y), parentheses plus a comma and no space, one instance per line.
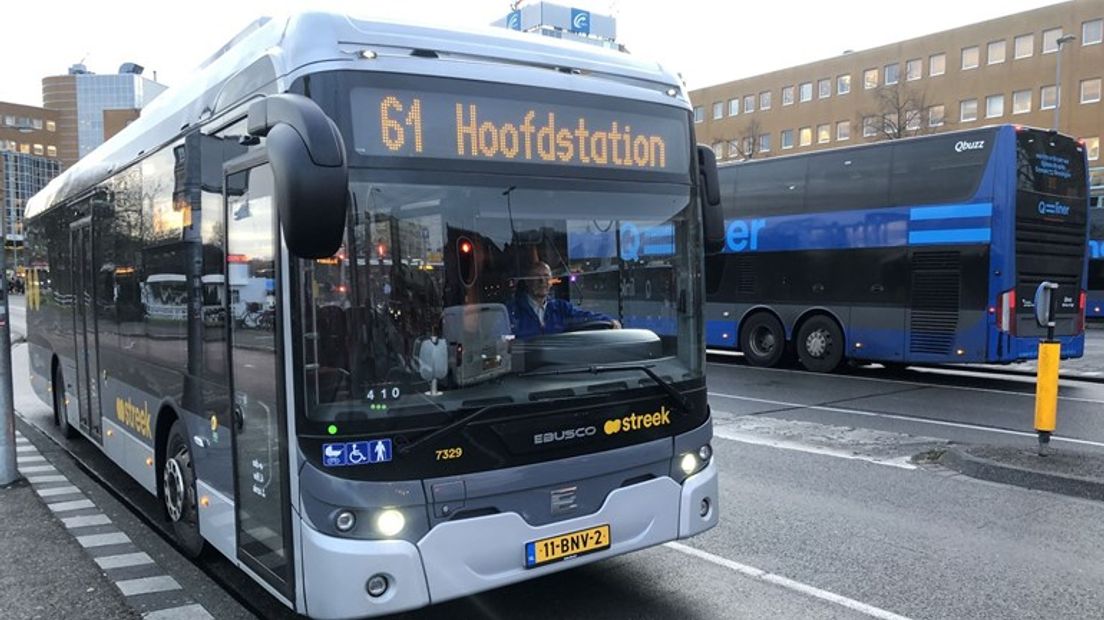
(96,93)
(24,176)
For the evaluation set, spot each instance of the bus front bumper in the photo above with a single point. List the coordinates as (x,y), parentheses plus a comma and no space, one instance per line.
(460,558)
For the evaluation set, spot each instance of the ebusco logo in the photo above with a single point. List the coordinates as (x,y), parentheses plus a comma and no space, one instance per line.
(637,421)
(1053,208)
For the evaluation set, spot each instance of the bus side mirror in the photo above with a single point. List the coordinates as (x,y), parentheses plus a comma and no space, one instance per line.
(712,216)
(310,176)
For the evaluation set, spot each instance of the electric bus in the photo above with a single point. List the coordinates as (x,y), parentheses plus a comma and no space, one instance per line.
(378,438)
(918,251)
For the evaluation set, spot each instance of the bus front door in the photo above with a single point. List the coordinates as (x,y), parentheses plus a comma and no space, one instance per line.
(85,350)
(260,420)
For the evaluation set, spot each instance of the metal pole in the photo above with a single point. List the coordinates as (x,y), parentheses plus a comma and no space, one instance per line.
(8,472)
(1058,86)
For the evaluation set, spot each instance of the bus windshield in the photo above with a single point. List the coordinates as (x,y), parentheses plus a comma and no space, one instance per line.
(444,296)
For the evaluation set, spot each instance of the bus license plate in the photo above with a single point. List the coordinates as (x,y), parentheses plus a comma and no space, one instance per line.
(564,546)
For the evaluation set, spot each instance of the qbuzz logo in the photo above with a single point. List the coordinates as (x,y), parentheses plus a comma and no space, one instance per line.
(1053,208)
(969,145)
(636,421)
(580,21)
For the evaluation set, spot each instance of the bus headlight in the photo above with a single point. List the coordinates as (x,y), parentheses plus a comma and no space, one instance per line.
(693,461)
(689,463)
(390,522)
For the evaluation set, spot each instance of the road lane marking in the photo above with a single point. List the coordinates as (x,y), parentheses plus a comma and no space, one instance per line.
(77,504)
(1022,379)
(184,612)
(749,438)
(905,418)
(124,560)
(146,585)
(786,582)
(102,540)
(72,522)
(65,490)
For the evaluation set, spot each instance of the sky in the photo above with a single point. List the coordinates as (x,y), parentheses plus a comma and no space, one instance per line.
(707,41)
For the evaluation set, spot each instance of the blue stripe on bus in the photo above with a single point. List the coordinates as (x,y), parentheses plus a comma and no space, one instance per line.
(958,235)
(946,212)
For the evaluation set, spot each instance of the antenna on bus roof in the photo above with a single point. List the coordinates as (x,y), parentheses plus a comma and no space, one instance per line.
(255,25)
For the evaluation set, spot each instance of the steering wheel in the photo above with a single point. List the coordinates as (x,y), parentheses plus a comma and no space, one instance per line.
(589,326)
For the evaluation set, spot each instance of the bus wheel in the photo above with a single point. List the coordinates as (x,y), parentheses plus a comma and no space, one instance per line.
(178,487)
(820,344)
(762,340)
(62,422)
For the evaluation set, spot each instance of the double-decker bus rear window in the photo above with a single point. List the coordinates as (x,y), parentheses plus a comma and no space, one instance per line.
(1050,164)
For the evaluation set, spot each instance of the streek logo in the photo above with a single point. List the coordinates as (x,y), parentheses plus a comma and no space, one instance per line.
(637,421)
(1053,208)
(966,145)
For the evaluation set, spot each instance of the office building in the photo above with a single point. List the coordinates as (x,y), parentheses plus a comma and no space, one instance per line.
(1004,70)
(82,98)
(28,161)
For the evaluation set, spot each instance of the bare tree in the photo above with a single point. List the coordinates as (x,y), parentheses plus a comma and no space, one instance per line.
(746,141)
(901,111)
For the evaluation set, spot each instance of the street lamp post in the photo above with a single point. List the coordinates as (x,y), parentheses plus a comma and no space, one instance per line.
(8,471)
(1062,40)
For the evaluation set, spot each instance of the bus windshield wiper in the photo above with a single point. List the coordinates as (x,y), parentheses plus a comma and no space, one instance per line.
(462,422)
(675,395)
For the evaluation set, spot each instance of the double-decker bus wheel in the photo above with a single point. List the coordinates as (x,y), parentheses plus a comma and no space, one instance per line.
(820,344)
(762,340)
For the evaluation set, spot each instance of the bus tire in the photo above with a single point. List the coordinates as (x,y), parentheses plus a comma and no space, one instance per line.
(62,422)
(820,344)
(763,340)
(178,490)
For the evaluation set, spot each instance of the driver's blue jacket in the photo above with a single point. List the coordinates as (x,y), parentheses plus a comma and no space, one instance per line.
(558,315)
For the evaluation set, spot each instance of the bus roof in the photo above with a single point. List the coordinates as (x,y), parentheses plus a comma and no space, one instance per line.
(311,42)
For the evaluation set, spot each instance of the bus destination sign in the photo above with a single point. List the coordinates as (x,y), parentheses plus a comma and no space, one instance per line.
(459,127)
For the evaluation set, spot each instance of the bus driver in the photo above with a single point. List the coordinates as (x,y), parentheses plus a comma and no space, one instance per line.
(534,313)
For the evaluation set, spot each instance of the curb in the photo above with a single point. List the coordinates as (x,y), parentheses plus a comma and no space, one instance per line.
(957,458)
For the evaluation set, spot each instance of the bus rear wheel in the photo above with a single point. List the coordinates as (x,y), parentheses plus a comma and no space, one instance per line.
(820,344)
(60,408)
(178,489)
(763,341)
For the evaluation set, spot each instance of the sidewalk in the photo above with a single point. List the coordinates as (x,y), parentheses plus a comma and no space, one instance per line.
(1065,471)
(44,572)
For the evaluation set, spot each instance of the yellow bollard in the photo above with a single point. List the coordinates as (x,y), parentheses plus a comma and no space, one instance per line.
(1046,393)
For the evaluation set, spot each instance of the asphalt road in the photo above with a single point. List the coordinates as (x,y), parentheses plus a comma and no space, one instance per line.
(823,514)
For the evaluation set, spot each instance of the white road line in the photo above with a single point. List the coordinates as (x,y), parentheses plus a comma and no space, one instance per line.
(31,459)
(36,469)
(1019,379)
(57,491)
(124,560)
(76,504)
(71,522)
(785,582)
(25,449)
(724,433)
(47,478)
(905,418)
(146,585)
(184,612)
(102,540)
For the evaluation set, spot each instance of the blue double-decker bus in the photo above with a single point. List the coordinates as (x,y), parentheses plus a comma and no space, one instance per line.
(1094,308)
(926,250)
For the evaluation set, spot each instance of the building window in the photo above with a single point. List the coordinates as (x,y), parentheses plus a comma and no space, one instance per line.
(870,79)
(805,136)
(1023,46)
(36,123)
(764,143)
(1090,90)
(892,74)
(843,84)
(994,106)
(787,95)
(1021,102)
(25,149)
(824,88)
(913,120)
(935,116)
(996,52)
(718,110)
(39,150)
(870,126)
(1050,40)
(749,144)
(51,151)
(749,103)
(891,123)
(967,110)
(699,114)
(733,148)
(969,57)
(1092,148)
(843,130)
(937,64)
(824,134)
(1048,97)
(764,100)
(805,92)
(734,106)
(914,69)
(718,149)
(787,139)
(1092,32)
(51,126)
(9,121)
